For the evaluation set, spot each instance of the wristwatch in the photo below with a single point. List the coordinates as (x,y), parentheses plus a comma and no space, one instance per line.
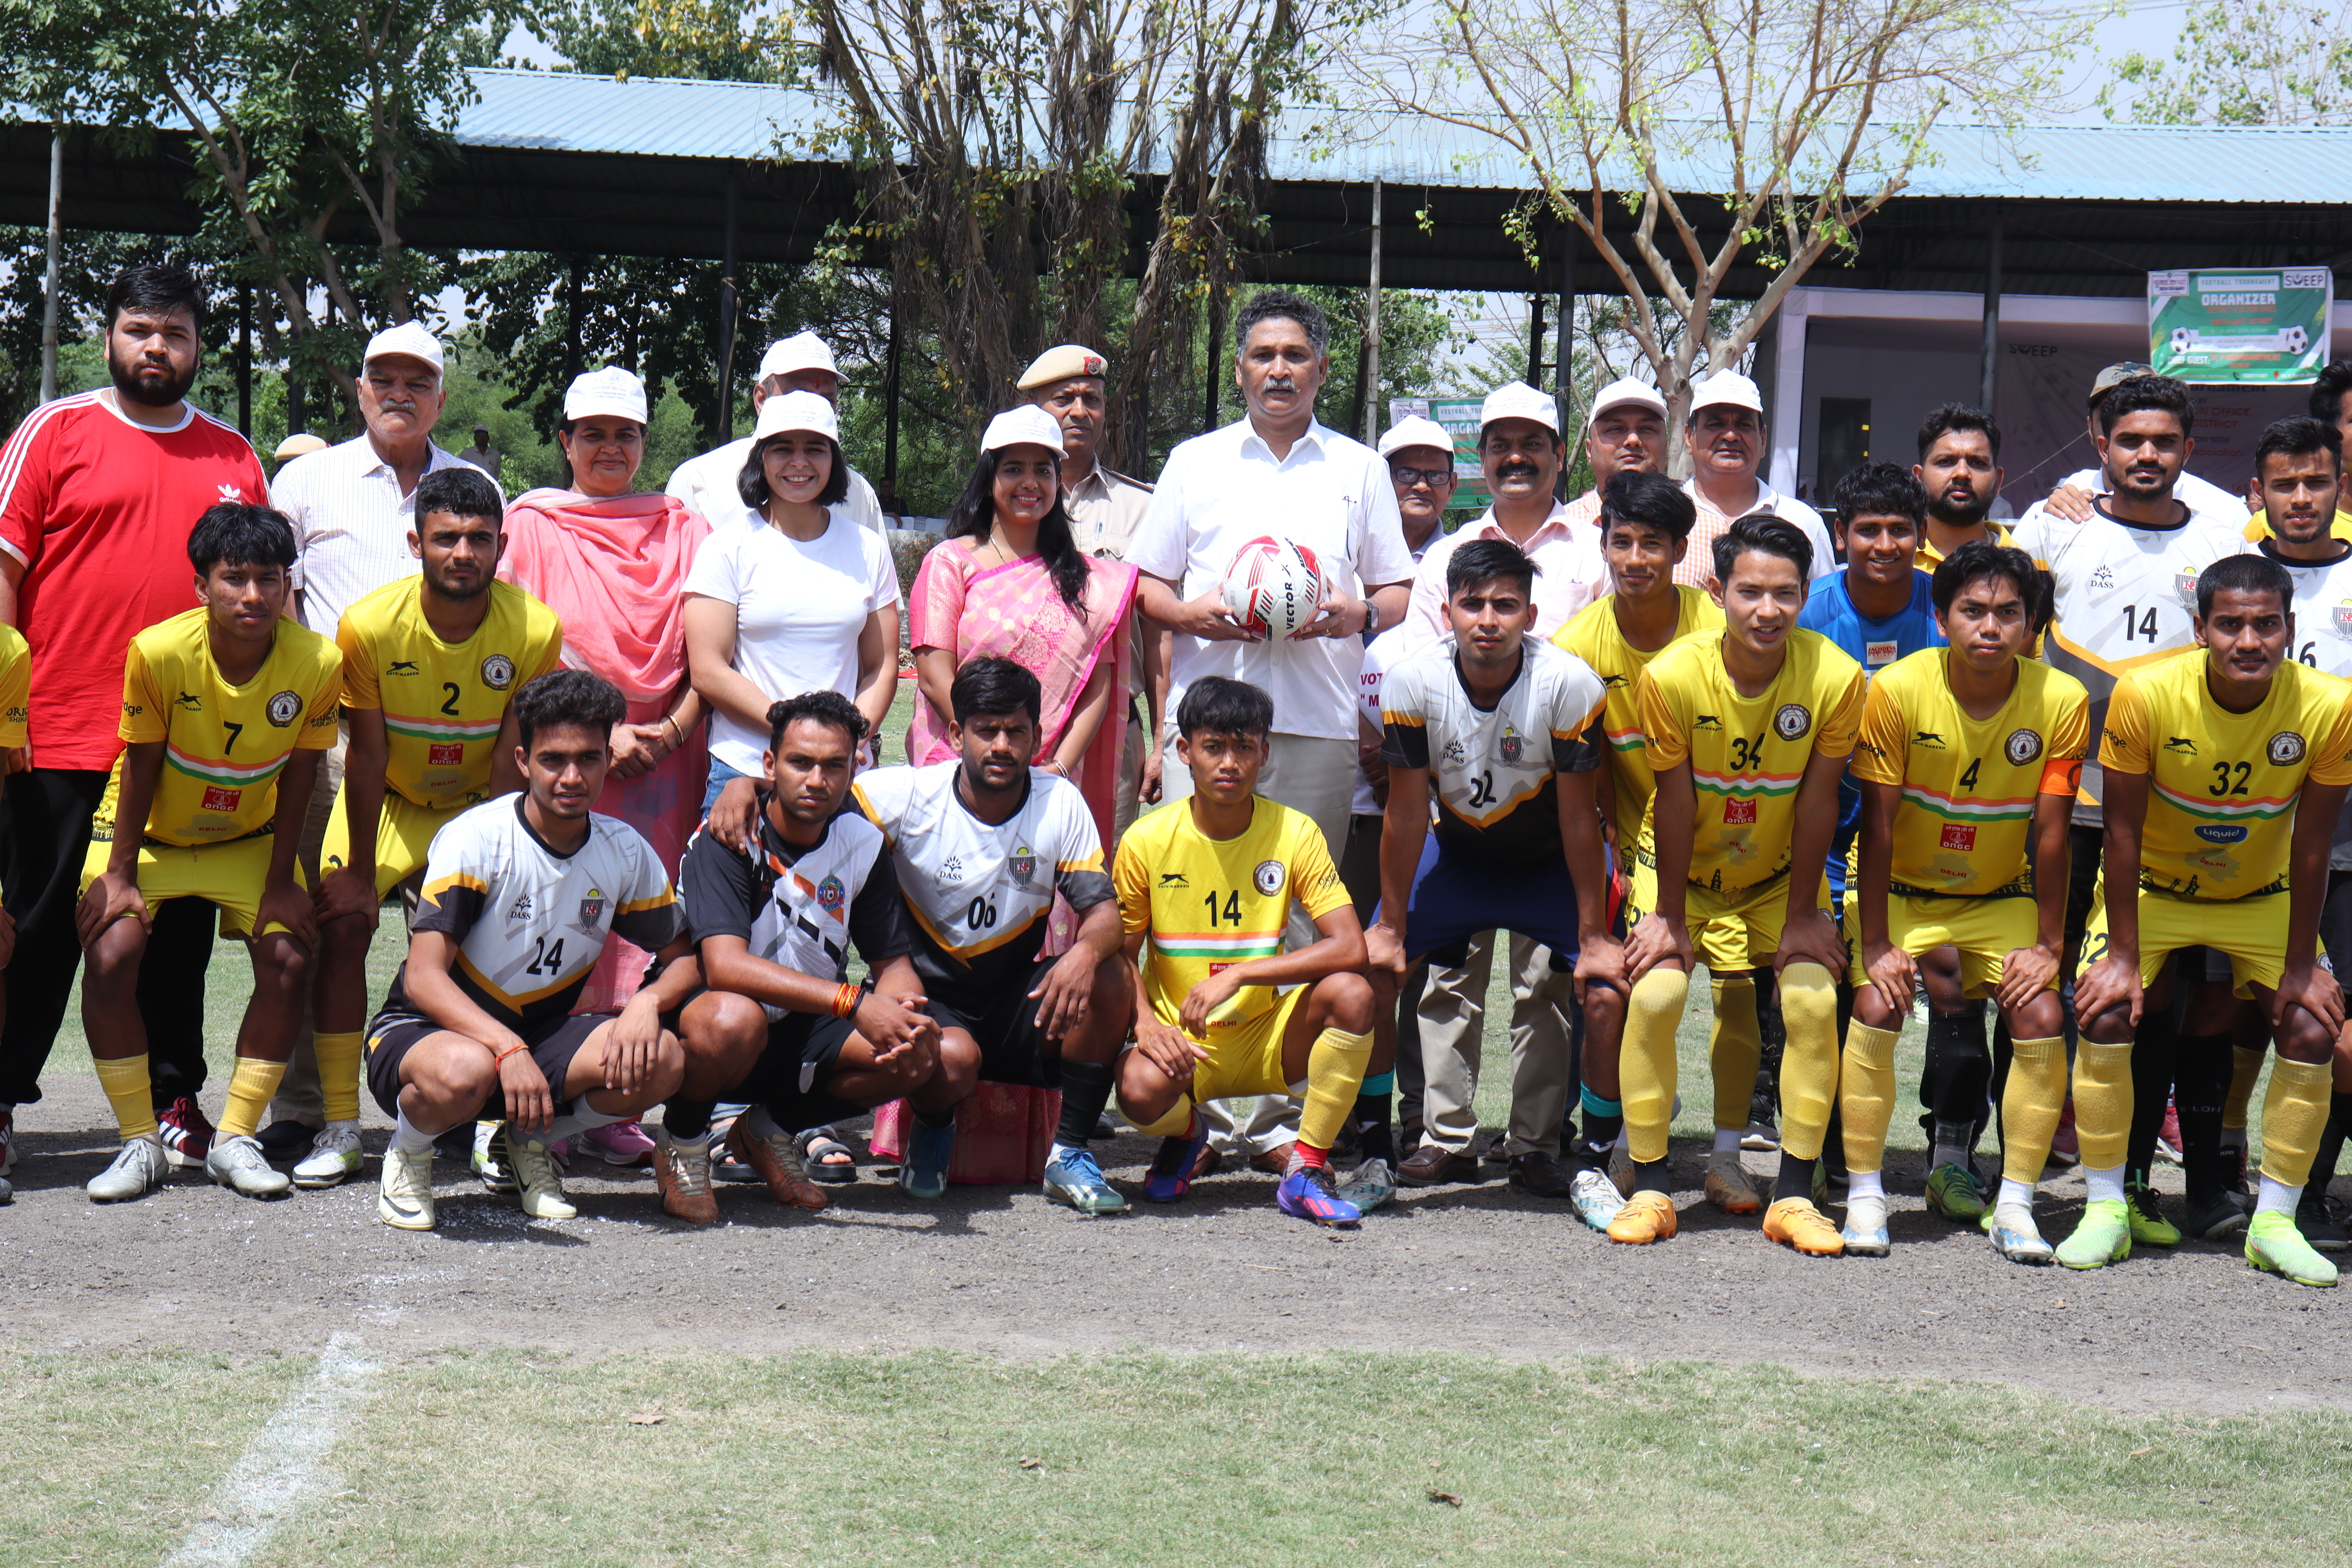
(1372,618)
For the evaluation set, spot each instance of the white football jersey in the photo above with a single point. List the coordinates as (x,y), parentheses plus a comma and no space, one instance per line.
(1378,653)
(1493,768)
(530,923)
(2323,639)
(980,894)
(798,908)
(2126,597)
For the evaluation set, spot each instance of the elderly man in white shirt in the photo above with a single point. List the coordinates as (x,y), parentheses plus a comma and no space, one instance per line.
(1625,434)
(352,507)
(1725,440)
(1278,471)
(706,485)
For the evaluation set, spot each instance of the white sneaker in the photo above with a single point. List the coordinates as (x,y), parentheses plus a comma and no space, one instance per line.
(1368,1186)
(1596,1198)
(334,1155)
(404,1197)
(137,1170)
(240,1163)
(490,1162)
(541,1190)
(1865,1228)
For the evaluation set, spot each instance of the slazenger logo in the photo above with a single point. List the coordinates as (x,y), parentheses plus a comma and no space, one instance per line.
(2178,745)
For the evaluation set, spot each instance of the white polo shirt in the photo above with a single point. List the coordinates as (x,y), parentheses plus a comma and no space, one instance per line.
(351,524)
(1698,562)
(1571,573)
(705,486)
(1332,494)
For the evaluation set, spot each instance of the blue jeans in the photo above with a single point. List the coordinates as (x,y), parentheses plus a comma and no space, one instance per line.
(720,775)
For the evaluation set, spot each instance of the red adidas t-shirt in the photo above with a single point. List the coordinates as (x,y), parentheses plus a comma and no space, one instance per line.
(97,510)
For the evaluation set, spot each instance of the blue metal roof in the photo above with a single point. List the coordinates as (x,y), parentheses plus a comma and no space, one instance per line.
(661,117)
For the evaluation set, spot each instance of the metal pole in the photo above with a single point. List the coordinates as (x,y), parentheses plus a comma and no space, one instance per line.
(244,360)
(1372,329)
(891,405)
(1216,347)
(49,286)
(1535,340)
(1564,360)
(1990,369)
(725,432)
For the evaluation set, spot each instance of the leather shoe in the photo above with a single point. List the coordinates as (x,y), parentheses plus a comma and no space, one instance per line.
(1540,1174)
(1274,1162)
(1206,1164)
(1433,1164)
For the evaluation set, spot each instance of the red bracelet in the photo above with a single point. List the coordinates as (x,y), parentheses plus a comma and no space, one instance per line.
(844,1000)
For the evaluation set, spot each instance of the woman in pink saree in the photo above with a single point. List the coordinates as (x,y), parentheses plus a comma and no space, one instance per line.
(1009,581)
(609,561)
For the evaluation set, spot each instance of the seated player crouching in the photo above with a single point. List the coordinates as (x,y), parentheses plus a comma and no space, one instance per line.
(1209,883)
(521,894)
(782,1026)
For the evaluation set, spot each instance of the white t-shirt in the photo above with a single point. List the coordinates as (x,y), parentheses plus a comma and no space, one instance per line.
(2202,497)
(799,608)
(706,485)
(1379,654)
(2323,639)
(1332,494)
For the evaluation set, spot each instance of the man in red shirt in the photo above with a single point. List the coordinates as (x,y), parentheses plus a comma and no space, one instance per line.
(98,493)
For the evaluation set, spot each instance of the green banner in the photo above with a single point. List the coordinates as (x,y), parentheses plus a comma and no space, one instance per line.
(2240,325)
(1460,417)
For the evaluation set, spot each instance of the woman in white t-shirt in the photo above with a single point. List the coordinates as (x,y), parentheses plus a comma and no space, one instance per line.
(792,596)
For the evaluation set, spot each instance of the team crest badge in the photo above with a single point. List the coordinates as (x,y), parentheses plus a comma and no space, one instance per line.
(2185,584)
(1511,746)
(2285,749)
(2022,747)
(1268,878)
(591,907)
(497,672)
(1023,863)
(2340,618)
(829,895)
(1792,720)
(285,708)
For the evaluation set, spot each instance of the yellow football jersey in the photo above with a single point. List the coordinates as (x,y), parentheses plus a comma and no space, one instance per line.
(1746,754)
(1594,637)
(1929,557)
(442,702)
(1209,903)
(1965,819)
(2258,527)
(16,686)
(2223,785)
(223,746)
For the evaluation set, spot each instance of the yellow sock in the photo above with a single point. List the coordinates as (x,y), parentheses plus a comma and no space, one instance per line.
(1809,1065)
(2245,1069)
(1735,1049)
(2294,1111)
(1172,1124)
(1866,1094)
(251,1088)
(1334,1071)
(2103,1103)
(1645,1061)
(2030,1106)
(132,1093)
(339,1073)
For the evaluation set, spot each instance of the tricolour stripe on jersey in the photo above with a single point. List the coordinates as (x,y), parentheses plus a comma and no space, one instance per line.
(1974,809)
(1757,784)
(426,730)
(219,770)
(2256,808)
(1629,739)
(1216,945)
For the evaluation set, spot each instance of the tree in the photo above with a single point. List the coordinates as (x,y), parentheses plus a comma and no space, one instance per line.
(2243,62)
(1680,137)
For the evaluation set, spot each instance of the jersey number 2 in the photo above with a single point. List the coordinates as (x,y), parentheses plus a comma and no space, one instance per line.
(450,706)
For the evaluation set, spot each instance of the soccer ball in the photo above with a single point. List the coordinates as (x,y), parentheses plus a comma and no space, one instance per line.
(2297,340)
(2183,340)
(1273,586)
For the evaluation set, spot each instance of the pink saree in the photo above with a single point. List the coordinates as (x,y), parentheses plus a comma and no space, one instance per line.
(1014,612)
(611,570)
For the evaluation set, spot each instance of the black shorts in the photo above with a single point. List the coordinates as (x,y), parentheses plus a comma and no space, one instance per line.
(800,1056)
(1013,1048)
(390,1036)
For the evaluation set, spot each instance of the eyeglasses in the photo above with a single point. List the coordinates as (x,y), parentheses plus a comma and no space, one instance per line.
(1433,477)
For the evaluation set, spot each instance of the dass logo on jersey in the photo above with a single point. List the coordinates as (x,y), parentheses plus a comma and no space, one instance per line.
(218,798)
(444,753)
(1959,836)
(1740,811)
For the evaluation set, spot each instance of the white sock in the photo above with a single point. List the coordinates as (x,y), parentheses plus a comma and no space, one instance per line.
(1622,1141)
(2277,1197)
(2105,1185)
(1866,1185)
(1951,1145)
(407,1139)
(699,1141)
(2015,1195)
(577,1118)
(1726,1139)
(1061,1150)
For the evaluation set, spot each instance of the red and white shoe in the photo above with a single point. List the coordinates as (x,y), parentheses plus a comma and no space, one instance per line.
(2168,1137)
(187,1135)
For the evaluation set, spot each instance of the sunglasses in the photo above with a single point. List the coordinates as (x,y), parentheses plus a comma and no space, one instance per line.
(1433,477)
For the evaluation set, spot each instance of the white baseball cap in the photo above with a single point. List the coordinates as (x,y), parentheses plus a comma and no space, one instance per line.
(1626,391)
(1027,426)
(1730,389)
(1412,430)
(409,338)
(1518,400)
(610,391)
(801,351)
(804,412)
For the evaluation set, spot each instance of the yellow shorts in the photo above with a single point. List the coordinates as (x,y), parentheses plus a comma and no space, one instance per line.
(1986,931)
(226,875)
(404,837)
(2252,932)
(1247,1057)
(1728,933)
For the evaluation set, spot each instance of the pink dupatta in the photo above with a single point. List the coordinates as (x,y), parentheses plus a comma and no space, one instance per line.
(1014,612)
(611,570)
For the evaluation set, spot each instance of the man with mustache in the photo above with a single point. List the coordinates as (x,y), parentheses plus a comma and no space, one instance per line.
(1626,435)
(98,493)
(1959,468)
(2071,502)
(1724,438)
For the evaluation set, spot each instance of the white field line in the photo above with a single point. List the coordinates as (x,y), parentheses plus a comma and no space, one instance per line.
(282,1470)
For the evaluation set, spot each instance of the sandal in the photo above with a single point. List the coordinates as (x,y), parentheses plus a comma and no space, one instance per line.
(827,1158)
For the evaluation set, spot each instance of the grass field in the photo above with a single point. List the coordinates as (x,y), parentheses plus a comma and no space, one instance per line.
(944,1458)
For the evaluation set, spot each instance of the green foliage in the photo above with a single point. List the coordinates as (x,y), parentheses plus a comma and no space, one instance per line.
(2241,62)
(715,41)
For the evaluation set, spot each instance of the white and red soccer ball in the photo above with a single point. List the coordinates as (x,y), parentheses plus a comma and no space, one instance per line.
(1273,586)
